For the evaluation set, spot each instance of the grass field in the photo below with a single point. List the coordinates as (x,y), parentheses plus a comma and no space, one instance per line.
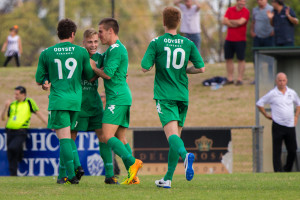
(269,186)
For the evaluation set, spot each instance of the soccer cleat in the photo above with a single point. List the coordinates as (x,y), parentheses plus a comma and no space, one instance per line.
(188,165)
(133,170)
(62,180)
(111,180)
(136,180)
(79,172)
(74,180)
(162,183)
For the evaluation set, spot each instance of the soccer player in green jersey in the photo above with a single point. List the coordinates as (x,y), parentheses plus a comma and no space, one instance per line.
(118,96)
(63,65)
(171,53)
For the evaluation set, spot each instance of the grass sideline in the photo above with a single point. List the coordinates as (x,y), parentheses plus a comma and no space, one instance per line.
(229,186)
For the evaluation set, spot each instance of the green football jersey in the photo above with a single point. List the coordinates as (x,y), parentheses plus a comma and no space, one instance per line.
(64,64)
(91,101)
(116,66)
(171,54)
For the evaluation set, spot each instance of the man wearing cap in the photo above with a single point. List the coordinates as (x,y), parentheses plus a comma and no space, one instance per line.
(19,114)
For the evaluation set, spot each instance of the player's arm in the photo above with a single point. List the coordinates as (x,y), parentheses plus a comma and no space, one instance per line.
(149,57)
(100,72)
(112,64)
(41,72)
(193,70)
(197,60)
(4,45)
(5,110)
(197,3)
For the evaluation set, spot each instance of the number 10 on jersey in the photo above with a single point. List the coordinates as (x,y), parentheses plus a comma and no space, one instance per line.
(175,54)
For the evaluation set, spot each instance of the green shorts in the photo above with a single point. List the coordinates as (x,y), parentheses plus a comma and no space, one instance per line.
(171,110)
(58,119)
(89,123)
(117,115)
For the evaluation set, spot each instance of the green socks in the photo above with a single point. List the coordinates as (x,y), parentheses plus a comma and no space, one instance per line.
(67,155)
(106,154)
(119,148)
(176,143)
(62,169)
(127,146)
(173,158)
(75,154)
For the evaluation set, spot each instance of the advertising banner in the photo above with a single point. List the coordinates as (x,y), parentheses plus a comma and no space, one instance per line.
(212,150)
(41,154)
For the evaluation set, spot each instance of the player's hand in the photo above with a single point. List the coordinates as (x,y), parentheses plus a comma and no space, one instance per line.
(46,85)
(253,34)
(3,50)
(7,103)
(270,14)
(272,33)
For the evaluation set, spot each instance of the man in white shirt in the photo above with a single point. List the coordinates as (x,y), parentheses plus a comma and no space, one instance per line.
(282,100)
(190,22)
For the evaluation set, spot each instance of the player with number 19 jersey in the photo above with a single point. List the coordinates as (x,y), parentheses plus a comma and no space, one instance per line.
(65,63)
(170,54)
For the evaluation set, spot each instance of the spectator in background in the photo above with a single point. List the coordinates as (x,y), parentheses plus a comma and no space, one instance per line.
(261,30)
(13,46)
(19,114)
(283,19)
(282,100)
(190,22)
(236,19)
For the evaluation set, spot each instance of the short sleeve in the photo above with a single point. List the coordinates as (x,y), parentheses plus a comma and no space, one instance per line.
(292,13)
(149,57)
(195,57)
(113,61)
(227,13)
(87,69)
(246,14)
(296,99)
(264,100)
(42,70)
(33,105)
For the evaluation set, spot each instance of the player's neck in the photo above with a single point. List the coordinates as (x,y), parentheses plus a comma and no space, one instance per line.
(171,31)
(66,40)
(113,40)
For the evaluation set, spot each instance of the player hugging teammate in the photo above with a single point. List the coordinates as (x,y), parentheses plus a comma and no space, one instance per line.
(75,105)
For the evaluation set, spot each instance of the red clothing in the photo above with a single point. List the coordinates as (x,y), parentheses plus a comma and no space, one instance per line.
(238,33)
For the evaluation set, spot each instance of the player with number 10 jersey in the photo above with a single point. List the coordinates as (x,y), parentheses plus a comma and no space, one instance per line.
(171,54)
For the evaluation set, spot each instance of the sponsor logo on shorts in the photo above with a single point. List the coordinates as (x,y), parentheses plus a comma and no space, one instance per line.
(158,108)
(76,124)
(111,108)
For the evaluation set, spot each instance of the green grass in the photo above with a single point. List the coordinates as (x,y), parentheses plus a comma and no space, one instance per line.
(229,186)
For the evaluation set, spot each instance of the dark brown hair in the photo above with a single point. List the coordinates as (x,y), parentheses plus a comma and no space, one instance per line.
(65,28)
(110,23)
